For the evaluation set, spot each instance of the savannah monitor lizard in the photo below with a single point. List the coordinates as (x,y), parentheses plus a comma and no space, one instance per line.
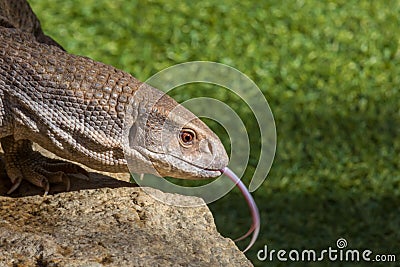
(92,113)
(83,110)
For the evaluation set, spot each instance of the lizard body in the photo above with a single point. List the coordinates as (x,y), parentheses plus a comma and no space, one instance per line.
(86,111)
(92,113)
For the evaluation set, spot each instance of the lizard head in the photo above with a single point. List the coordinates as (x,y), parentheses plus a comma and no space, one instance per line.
(166,139)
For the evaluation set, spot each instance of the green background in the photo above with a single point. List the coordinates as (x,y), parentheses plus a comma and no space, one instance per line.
(330,72)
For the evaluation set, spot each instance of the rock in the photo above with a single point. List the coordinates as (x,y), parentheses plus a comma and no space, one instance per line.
(119,226)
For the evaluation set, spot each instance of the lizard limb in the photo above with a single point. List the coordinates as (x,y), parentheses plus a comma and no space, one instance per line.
(22,163)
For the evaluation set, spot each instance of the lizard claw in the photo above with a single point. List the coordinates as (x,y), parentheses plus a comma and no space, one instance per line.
(15,185)
(46,188)
(67,182)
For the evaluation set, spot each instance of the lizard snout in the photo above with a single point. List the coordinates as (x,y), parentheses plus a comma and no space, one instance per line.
(218,158)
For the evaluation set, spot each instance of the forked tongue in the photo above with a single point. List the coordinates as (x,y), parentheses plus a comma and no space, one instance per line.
(255,227)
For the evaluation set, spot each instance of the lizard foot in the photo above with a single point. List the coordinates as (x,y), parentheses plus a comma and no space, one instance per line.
(22,163)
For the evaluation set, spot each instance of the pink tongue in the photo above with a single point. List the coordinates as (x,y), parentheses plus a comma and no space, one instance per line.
(255,227)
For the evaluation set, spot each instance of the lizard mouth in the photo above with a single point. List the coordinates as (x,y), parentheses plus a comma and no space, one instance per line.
(199,169)
(187,169)
(198,166)
(167,165)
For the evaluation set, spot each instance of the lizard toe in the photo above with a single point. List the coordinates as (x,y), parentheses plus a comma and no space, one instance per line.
(31,175)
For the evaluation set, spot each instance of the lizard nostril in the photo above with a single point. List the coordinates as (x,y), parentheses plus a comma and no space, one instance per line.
(210,147)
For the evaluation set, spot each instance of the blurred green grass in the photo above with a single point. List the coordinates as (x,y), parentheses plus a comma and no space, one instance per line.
(331,73)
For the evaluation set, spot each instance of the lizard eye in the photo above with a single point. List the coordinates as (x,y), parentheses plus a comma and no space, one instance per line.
(187,136)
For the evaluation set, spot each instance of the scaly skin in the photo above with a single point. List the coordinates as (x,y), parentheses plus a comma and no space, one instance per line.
(18,14)
(89,112)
